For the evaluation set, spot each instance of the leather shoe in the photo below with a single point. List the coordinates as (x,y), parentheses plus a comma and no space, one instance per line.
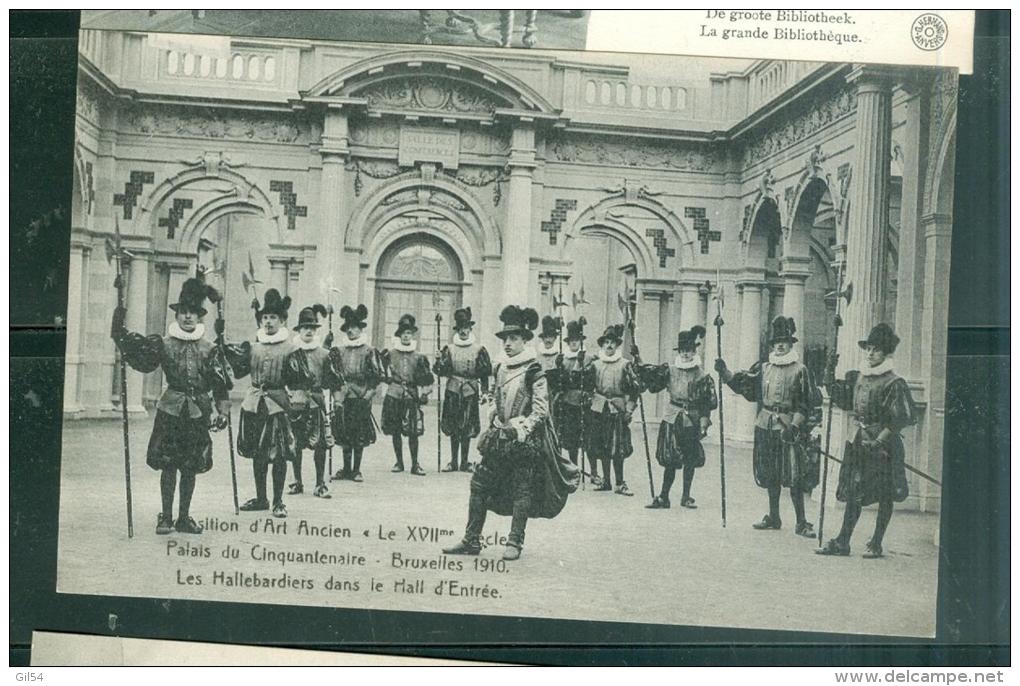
(255,505)
(187,525)
(398,467)
(417,470)
(805,529)
(688,503)
(164,524)
(768,523)
(280,511)
(450,467)
(463,548)
(835,548)
(511,552)
(659,503)
(873,552)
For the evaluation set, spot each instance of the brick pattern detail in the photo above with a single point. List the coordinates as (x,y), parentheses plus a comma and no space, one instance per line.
(132,189)
(662,249)
(288,198)
(559,215)
(702,226)
(173,218)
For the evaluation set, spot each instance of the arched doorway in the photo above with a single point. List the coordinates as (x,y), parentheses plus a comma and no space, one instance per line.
(808,259)
(419,275)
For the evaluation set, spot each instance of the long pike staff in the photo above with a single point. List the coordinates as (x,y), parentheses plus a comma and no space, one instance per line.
(437,300)
(837,323)
(577,300)
(629,307)
(224,370)
(722,438)
(331,289)
(115,252)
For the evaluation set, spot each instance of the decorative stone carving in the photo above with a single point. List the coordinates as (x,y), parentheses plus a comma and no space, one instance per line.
(631,191)
(213,162)
(479,177)
(430,93)
(633,153)
(425,196)
(216,124)
(375,169)
(820,113)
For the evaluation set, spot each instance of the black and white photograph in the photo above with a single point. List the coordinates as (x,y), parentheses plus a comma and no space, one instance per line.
(504,327)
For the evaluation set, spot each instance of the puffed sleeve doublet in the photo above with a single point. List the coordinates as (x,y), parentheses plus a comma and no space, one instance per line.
(747,383)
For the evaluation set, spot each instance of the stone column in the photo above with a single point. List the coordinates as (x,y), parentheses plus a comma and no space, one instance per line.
(869,207)
(278,274)
(795,273)
(648,333)
(137,310)
(750,330)
(911,266)
(76,302)
(690,306)
(517,236)
(294,288)
(331,262)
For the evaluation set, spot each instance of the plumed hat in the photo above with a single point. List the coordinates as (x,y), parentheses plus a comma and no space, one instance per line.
(612,333)
(549,327)
(462,318)
(687,341)
(575,330)
(193,295)
(274,304)
(699,331)
(881,337)
(406,323)
(309,316)
(518,320)
(353,317)
(783,329)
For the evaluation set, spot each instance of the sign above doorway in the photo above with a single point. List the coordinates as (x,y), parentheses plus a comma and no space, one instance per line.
(429,144)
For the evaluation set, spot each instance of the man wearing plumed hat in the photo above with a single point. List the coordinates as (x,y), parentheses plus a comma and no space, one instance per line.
(466,366)
(357,364)
(310,377)
(409,380)
(265,435)
(789,405)
(614,386)
(874,464)
(692,399)
(522,473)
(195,377)
(571,400)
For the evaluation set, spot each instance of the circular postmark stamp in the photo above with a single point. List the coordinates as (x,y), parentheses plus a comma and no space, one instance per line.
(929,31)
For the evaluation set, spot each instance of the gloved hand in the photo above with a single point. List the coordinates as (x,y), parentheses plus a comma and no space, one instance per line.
(790,433)
(330,441)
(720,366)
(871,444)
(704,422)
(217,423)
(329,340)
(223,407)
(219,326)
(832,360)
(255,304)
(423,399)
(117,326)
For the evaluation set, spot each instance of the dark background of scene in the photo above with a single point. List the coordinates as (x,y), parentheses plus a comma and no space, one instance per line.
(973,611)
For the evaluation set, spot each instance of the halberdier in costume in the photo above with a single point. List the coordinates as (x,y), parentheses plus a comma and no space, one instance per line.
(265,435)
(410,383)
(359,369)
(311,376)
(692,398)
(521,474)
(195,377)
(783,455)
(466,366)
(874,464)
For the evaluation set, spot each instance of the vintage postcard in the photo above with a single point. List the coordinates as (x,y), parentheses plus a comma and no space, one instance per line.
(519,332)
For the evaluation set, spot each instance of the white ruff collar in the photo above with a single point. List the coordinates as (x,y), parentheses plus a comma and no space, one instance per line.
(175,331)
(526,355)
(346,342)
(409,348)
(458,341)
(783,360)
(549,351)
(316,342)
(886,366)
(615,357)
(279,337)
(680,364)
